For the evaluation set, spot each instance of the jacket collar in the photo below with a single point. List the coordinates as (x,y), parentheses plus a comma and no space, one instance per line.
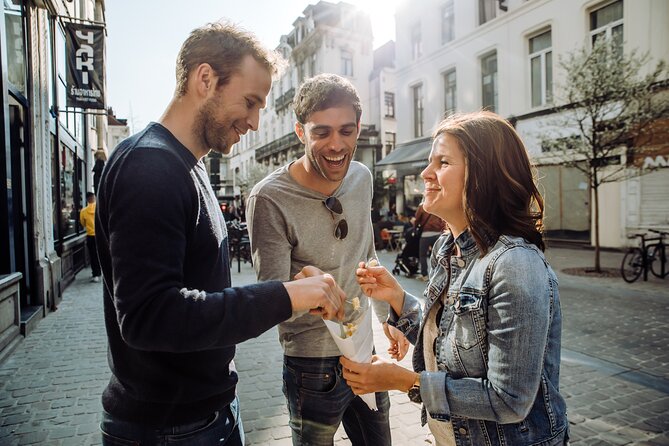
(465,242)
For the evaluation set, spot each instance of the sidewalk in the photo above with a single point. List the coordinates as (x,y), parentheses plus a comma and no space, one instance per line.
(615,367)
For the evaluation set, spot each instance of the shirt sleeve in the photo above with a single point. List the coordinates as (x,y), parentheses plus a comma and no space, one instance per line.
(270,246)
(520,302)
(151,208)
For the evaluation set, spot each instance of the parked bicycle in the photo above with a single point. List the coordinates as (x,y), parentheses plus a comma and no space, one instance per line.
(651,255)
(238,240)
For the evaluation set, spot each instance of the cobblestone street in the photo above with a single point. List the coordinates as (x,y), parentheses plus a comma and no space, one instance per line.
(615,367)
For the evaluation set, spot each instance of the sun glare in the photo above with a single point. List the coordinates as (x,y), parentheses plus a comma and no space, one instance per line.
(382,15)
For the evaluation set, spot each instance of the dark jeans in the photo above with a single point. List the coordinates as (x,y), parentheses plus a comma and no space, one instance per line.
(93,254)
(319,400)
(424,251)
(223,427)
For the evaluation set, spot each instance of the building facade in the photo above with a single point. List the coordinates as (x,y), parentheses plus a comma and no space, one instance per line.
(327,38)
(503,55)
(117,130)
(47,158)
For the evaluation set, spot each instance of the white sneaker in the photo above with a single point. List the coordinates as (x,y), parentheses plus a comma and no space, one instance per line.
(95,279)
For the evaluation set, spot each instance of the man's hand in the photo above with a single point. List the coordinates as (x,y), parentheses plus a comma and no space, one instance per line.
(377,376)
(319,294)
(399,344)
(309,271)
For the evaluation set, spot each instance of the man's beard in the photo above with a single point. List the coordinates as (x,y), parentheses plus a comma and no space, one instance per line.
(211,133)
(315,165)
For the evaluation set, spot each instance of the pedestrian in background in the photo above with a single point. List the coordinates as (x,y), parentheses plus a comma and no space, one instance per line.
(487,343)
(87,220)
(98,167)
(171,316)
(316,211)
(430,228)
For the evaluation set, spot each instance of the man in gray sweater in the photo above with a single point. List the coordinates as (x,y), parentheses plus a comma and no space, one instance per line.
(316,211)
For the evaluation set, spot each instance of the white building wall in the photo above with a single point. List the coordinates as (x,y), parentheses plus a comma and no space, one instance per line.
(508,34)
(116,134)
(353,34)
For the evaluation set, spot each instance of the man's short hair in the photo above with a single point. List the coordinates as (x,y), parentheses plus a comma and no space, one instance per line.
(322,92)
(90,196)
(223,46)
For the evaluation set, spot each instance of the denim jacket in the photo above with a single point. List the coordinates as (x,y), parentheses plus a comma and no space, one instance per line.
(498,345)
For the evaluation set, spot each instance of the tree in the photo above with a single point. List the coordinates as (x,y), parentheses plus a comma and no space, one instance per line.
(612,110)
(256,172)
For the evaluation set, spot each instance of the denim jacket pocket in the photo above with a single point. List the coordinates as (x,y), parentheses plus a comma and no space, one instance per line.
(468,321)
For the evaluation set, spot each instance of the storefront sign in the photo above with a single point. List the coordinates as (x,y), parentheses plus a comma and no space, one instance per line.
(85,66)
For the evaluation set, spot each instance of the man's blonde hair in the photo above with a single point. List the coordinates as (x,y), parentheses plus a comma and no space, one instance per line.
(222,45)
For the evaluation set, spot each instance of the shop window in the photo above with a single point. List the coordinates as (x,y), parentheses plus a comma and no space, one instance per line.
(68,207)
(16,54)
(54,188)
(72,122)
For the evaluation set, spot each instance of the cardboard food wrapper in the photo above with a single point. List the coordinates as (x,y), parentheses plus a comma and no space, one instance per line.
(357,347)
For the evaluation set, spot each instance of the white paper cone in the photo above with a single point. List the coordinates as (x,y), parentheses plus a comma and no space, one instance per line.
(358,347)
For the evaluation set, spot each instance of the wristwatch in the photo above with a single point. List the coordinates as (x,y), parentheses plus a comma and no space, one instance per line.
(414,391)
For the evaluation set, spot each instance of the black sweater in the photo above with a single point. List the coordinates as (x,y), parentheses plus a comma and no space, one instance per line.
(172,319)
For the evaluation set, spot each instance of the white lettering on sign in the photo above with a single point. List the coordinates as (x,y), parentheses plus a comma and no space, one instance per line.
(85,64)
(653,163)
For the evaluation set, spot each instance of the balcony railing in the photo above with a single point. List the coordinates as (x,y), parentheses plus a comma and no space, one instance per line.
(284,100)
(277,146)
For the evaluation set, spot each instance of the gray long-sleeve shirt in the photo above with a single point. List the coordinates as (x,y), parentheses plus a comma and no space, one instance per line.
(290,228)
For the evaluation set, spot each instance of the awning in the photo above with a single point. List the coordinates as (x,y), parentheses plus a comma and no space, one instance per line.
(410,154)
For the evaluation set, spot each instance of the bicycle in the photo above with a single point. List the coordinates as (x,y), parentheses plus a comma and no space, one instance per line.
(643,258)
(239,243)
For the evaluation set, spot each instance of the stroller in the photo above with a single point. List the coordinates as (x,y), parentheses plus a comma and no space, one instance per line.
(407,261)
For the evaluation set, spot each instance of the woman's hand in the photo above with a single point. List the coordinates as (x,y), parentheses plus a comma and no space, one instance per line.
(399,344)
(377,376)
(377,283)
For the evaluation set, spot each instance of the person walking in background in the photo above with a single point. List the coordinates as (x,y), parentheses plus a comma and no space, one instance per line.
(316,211)
(487,343)
(98,167)
(87,220)
(430,228)
(171,315)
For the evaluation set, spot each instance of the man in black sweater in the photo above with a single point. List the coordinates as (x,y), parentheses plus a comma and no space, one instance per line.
(172,318)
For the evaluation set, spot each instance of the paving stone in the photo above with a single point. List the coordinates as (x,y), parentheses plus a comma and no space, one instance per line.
(33,438)
(15,419)
(53,381)
(62,432)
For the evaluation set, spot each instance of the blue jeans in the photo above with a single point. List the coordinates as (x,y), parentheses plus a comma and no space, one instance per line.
(319,400)
(223,427)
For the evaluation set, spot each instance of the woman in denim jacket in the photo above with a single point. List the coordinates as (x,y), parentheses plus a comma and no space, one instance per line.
(487,343)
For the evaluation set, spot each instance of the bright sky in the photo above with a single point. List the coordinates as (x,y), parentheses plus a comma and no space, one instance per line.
(143,38)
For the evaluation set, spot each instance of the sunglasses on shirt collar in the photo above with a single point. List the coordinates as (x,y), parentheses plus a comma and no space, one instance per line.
(334,206)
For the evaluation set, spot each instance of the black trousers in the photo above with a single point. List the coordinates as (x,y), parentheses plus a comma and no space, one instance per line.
(93,254)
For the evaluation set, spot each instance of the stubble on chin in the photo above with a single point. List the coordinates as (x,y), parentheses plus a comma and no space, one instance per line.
(210,133)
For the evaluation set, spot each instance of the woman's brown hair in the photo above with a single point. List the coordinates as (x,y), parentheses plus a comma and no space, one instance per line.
(500,194)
